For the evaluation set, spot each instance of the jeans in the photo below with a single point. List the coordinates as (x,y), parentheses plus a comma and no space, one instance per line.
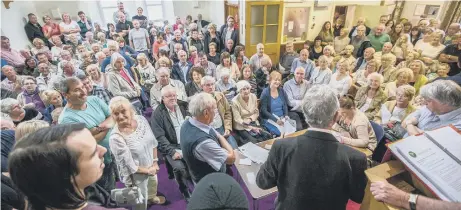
(230,138)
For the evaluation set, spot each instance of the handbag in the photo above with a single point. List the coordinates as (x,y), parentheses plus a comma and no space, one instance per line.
(129,195)
(395,133)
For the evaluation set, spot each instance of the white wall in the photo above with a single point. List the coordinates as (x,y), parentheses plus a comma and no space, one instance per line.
(12,22)
(410,6)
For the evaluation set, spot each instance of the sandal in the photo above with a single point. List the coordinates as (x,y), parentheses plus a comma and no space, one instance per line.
(159,200)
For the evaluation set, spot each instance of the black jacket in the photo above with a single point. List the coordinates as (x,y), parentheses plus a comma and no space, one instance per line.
(367,31)
(35,32)
(176,73)
(204,22)
(163,129)
(192,89)
(314,171)
(234,36)
(207,40)
(365,44)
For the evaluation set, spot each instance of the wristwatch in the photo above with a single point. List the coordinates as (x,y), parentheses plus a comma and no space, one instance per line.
(412,201)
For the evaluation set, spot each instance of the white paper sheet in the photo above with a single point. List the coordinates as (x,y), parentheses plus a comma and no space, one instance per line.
(245,161)
(254,152)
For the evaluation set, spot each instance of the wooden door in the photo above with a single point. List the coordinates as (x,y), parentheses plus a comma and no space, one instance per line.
(264,25)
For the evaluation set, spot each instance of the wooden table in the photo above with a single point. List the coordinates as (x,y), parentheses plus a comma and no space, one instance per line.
(249,172)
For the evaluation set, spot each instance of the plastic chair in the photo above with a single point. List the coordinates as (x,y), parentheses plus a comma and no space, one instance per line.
(379,131)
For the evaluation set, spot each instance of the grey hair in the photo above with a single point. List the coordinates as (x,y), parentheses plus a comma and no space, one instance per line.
(100,34)
(112,43)
(320,105)
(242,84)
(65,83)
(118,101)
(207,79)
(375,75)
(99,54)
(167,89)
(7,104)
(225,72)
(7,67)
(444,91)
(115,56)
(200,102)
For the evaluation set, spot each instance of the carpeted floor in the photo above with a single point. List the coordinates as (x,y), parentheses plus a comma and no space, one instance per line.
(169,188)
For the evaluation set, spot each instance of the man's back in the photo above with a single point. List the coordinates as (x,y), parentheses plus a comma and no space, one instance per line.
(314,171)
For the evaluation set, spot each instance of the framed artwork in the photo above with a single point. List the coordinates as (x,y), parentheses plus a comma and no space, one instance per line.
(432,10)
(419,9)
(295,23)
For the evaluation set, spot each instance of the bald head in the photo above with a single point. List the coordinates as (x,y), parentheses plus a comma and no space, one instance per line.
(380,29)
(303,55)
(453,29)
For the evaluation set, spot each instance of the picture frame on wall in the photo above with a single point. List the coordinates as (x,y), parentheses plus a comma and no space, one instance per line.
(321,4)
(419,9)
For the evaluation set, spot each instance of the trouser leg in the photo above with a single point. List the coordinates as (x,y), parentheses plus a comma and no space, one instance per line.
(179,171)
(229,139)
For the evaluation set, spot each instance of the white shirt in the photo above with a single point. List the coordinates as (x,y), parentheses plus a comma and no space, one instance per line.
(342,86)
(366,105)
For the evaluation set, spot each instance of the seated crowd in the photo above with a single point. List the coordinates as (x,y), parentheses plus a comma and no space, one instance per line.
(138,92)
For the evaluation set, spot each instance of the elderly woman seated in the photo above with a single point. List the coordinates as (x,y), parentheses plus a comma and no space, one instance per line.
(274,105)
(321,74)
(397,110)
(403,76)
(31,96)
(387,68)
(53,100)
(354,126)
(370,97)
(193,87)
(97,77)
(245,115)
(122,84)
(40,47)
(135,149)
(419,79)
(360,77)
(226,85)
(11,108)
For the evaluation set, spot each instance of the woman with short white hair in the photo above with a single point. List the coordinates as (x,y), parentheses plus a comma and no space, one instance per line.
(146,71)
(402,77)
(370,97)
(10,108)
(397,110)
(121,83)
(96,76)
(245,114)
(322,73)
(135,149)
(226,85)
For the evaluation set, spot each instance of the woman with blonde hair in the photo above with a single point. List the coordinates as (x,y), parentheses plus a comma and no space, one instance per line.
(419,79)
(329,53)
(402,47)
(68,27)
(360,77)
(274,105)
(410,56)
(212,36)
(146,71)
(402,77)
(40,47)
(397,110)
(193,58)
(97,77)
(370,97)
(53,100)
(341,81)
(135,149)
(387,68)
(28,127)
(50,28)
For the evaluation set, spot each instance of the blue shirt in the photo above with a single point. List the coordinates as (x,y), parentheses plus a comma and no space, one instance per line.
(428,120)
(307,65)
(128,63)
(95,113)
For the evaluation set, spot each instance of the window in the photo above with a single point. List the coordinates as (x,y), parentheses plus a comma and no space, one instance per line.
(107,9)
(154,10)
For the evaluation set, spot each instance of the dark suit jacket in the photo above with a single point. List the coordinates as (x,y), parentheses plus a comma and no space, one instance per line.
(163,129)
(33,32)
(176,73)
(367,31)
(314,171)
(204,22)
(234,36)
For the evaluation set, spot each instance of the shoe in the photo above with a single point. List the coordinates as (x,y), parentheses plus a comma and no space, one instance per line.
(159,200)
(186,195)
